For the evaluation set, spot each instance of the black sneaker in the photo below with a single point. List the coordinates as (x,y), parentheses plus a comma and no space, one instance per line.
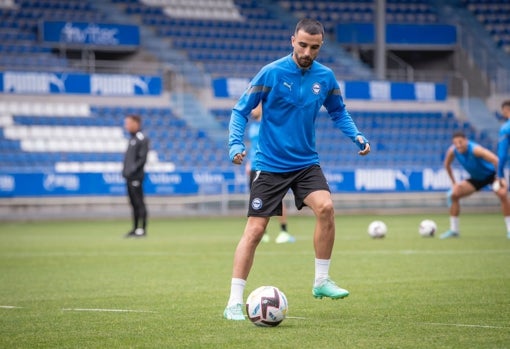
(130,234)
(137,233)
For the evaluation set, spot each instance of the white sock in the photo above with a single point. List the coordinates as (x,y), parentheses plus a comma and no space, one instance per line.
(454,224)
(236,291)
(321,270)
(507,222)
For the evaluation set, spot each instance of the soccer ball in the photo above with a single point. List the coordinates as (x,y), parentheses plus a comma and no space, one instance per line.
(377,229)
(427,228)
(267,306)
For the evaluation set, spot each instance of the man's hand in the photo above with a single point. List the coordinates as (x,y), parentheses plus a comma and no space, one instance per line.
(238,158)
(363,144)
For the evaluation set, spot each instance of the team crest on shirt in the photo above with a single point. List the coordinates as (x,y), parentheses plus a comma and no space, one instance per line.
(256,204)
(316,88)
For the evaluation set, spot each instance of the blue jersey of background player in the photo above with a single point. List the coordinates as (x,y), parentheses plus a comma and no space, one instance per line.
(253,136)
(504,139)
(481,164)
(474,160)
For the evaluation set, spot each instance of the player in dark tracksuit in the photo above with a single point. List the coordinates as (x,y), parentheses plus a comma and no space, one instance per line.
(133,170)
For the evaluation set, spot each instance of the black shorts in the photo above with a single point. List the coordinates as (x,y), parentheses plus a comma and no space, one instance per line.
(480,183)
(269,188)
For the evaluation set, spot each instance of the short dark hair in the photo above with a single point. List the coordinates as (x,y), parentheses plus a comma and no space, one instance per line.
(505,103)
(459,134)
(135,118)
(310,26)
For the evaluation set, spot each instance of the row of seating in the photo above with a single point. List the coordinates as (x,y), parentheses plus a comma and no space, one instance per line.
(32,15)
(353,8)
(21,23)
(425,134)
(16,47)
(192,12)
(399,139)
(198,3)
(72,5)
(78,133)
(258,39)
(44,109)
(494,15)
(19,27)
(231,45)
(9,35)
(330,13)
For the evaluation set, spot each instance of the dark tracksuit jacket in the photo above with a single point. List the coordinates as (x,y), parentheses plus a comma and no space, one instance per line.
(135,157)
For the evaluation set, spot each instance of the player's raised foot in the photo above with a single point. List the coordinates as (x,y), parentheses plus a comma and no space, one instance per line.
(234,312)
(284,237)
(265,238)
(328,288)
(449,234)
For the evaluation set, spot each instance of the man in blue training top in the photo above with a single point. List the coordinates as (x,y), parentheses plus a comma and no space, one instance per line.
(253,135)
(504,139)
(481,165)
(504,142)
(292,91)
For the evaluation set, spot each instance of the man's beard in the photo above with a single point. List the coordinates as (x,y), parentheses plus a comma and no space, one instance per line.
(304,61)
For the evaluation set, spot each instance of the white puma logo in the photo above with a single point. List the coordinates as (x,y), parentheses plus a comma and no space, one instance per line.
(286,84)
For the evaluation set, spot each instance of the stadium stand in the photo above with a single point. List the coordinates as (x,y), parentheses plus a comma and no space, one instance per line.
(236,41)
(19,29)
(62,136)
(229,41)
(196,41)
(38,142)
(495,17)
(334,12)
(479,40)
(401,139)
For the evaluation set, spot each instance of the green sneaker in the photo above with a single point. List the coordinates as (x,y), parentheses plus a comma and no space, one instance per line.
(449,234)
(328,288)
(234,312)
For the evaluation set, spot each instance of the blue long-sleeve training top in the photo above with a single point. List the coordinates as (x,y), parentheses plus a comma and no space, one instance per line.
(291,99)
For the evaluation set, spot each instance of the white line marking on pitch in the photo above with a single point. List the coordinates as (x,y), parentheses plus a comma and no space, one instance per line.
(9,307)
(295,317)
(109,310)
(176,254)
(463,325)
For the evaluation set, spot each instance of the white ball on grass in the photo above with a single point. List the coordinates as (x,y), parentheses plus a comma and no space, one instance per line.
(377,229)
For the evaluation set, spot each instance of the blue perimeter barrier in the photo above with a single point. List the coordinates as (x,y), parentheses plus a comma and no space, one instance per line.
(74,83)
(215,182)
(365,90)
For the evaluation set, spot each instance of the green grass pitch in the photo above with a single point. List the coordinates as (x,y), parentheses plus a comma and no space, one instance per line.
(79,284)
